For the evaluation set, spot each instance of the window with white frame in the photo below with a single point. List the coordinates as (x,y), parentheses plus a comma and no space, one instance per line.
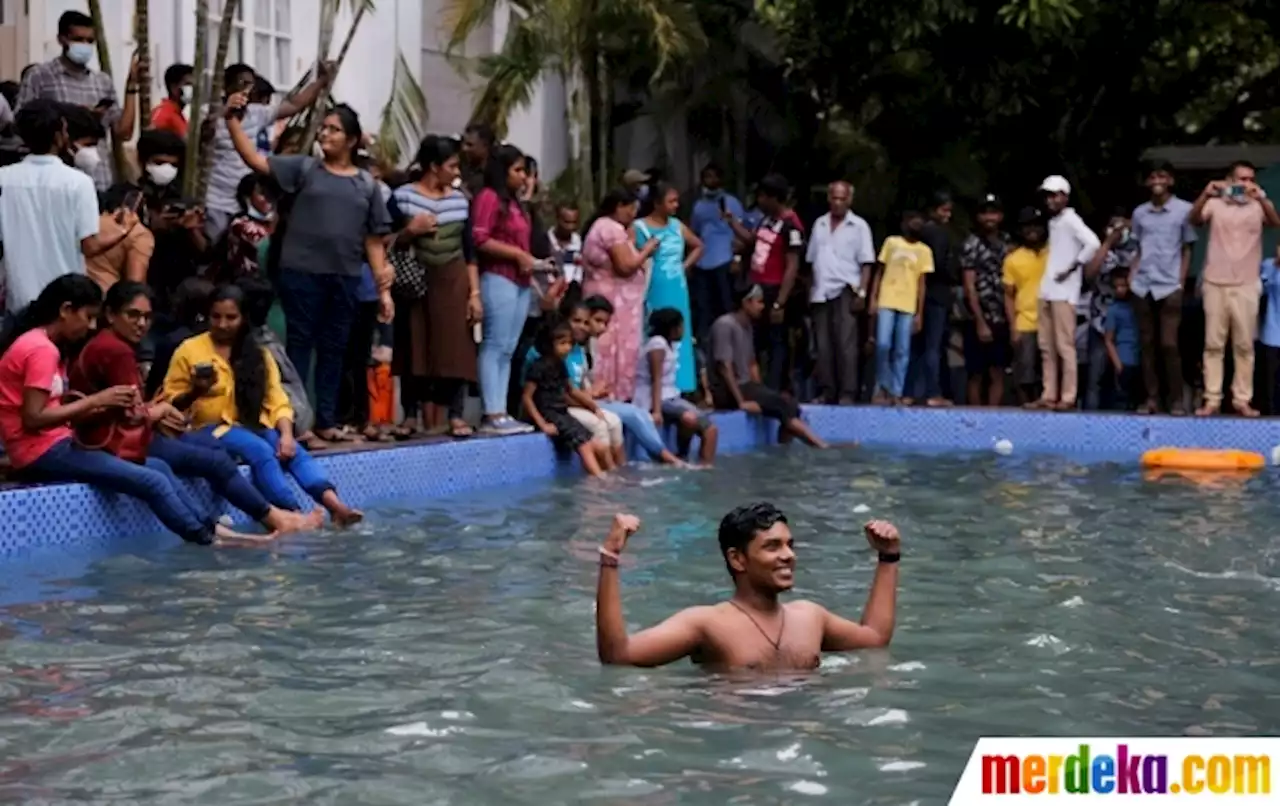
(265,24)
(235,48)
(272,43)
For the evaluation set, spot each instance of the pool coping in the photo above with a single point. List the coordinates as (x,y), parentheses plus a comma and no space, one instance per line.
(74,516)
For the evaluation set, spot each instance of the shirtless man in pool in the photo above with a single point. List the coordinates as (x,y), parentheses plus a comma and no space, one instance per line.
(752,630)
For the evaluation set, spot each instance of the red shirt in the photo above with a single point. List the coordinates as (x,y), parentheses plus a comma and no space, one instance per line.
(33,362)
(106,361)
(775,239)
(512,229)
(168,117)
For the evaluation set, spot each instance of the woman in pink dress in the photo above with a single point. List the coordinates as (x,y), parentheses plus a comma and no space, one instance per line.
(614,269)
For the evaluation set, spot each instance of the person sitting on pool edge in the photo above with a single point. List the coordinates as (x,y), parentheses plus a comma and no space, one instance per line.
(735,379)
(752,630)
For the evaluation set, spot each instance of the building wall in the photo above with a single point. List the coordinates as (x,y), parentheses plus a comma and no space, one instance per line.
(279,38)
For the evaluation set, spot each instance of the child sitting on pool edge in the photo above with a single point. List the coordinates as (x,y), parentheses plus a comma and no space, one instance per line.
(546,397)
(656,385)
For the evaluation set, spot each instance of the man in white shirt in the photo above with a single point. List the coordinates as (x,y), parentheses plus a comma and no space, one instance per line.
(48,210)
(843,257)
(1071,244)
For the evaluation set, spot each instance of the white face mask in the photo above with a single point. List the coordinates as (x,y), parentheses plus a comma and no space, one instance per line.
(80,52)
(162,174)
(185,95)
(87,159)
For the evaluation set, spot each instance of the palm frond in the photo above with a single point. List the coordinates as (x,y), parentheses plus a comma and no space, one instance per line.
(404,118)
(462,17)
(512,74)
(671,26)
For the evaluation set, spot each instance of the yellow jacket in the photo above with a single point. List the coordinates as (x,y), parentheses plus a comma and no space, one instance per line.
(219,406)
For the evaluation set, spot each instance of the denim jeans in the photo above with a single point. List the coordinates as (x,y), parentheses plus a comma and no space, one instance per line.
(153,483)
(924,378)
(259,453)
(637,421)
(319,310)
(506,306)
(198,455)
(893,349)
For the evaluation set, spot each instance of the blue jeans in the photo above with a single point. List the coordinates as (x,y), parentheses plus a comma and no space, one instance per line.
(153,483)
(506,306)
(319,310)
(893,349)
(259,453)
(924,379)
(198,455)
(638,422)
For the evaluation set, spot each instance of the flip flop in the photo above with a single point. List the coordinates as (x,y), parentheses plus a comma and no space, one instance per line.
(459,429)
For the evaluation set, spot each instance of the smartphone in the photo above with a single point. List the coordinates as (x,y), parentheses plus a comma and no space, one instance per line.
(1235,192)
(105,103)
(724,205)
(204,371)
(132,201)
(244,86)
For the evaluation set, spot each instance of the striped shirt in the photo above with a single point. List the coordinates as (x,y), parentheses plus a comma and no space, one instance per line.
(451,239)
(228,169)
(55,81)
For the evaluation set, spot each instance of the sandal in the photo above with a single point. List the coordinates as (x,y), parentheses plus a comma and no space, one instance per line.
(375,434)
(312,442)
(460,429)
(343,434)
(409,429)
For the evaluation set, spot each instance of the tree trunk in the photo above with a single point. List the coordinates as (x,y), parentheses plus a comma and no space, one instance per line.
(225,27)
(196,115)
(576,90)
(604,110)
(741,126)
(322,100)
(142,35)
(328,17)
(104,63)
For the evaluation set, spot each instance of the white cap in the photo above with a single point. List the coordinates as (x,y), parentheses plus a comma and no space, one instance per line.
(1056,184)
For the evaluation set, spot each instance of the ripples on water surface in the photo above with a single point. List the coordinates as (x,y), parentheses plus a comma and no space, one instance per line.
(446,655)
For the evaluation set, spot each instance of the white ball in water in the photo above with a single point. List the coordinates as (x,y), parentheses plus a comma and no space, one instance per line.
(1004,447)
(1275,455)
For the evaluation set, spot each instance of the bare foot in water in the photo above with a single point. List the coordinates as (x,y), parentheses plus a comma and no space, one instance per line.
(284,521)
(346,517)
(226,536)
(342,514)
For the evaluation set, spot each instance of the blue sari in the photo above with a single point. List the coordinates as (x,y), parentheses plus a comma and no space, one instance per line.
(668,288)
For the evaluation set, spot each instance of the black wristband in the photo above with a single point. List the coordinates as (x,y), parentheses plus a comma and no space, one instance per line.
(887,557)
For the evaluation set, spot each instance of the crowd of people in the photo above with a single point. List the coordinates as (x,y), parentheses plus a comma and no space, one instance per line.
(457,275)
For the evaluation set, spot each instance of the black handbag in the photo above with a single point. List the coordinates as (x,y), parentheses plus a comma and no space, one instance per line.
(410,280)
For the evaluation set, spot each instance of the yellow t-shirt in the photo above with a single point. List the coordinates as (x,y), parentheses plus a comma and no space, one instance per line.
(904,264)
(218,408)
(1023,269)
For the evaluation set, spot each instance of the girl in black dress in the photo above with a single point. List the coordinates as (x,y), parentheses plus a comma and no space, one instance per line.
(546,403)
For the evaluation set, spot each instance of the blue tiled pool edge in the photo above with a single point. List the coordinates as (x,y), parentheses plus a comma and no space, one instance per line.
(69,516)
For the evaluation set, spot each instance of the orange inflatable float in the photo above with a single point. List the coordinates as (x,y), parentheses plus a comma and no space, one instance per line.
(1202,459)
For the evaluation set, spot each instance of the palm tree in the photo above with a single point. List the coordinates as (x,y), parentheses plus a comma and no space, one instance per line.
(104,62)
(404,118)
(579,40)
(142,35)
(328,17)
(225,27)
(195,128)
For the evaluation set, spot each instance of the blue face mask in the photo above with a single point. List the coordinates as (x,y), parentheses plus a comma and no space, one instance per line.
(643,192)
(80,52)
(258,215)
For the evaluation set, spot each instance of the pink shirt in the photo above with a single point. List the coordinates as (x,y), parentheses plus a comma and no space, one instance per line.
(1234,255)
(487,224)
(33,362)
(605,233)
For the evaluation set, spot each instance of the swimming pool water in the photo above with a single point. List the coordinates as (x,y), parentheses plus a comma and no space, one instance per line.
(446,653)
